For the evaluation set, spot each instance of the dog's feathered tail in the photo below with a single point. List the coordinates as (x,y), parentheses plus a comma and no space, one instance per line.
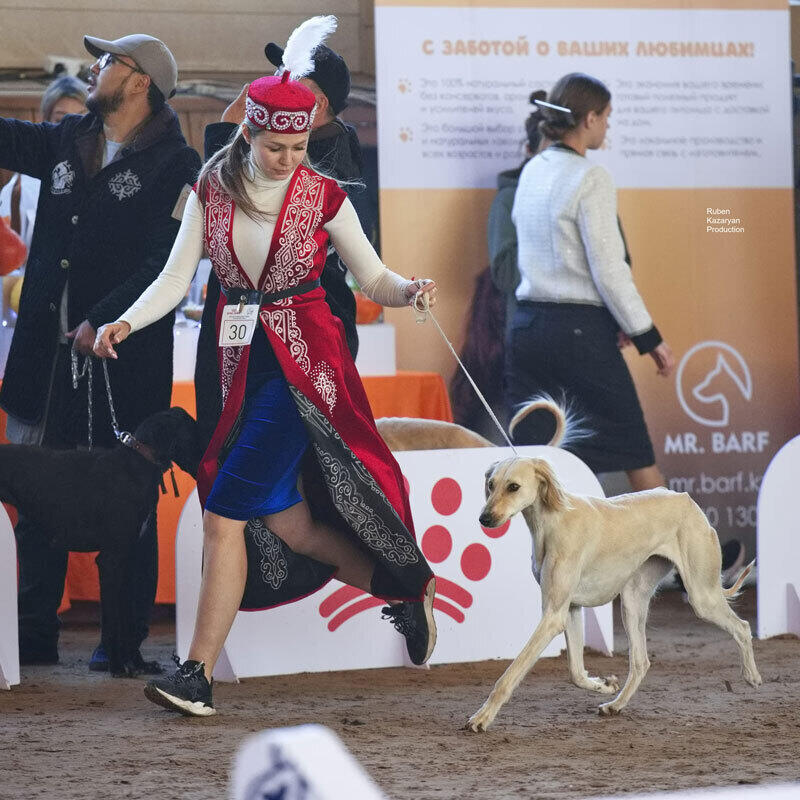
(733,591)
(570,425)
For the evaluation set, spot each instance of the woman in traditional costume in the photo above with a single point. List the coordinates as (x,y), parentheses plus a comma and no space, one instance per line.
(297,485)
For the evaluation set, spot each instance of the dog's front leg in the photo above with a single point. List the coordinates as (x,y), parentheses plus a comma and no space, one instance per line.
(551,624)
(114,612)
(577,671)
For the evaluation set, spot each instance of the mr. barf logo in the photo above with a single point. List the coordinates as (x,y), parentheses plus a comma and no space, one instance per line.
(124,184)
(712,382)
(62,178)
(724,376)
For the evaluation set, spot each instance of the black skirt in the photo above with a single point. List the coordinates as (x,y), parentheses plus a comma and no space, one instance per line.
(569,351)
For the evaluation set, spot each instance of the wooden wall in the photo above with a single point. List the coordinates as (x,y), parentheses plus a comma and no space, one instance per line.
(204,35)
(194,112)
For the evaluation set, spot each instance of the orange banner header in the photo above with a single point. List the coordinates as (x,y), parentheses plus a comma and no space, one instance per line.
(684,5)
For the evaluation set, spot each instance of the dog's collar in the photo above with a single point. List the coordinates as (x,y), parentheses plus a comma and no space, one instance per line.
(144,450)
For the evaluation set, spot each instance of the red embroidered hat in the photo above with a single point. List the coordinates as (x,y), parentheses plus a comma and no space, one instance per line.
(279,102)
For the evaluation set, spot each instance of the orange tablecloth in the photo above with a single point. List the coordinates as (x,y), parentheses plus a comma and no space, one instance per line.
(406,394)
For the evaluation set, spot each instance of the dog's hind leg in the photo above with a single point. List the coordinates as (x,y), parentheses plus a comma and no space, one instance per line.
(635,601)
(577,671)
(700,573)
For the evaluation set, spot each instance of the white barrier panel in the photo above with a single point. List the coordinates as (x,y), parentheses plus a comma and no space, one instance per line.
(9,638)
(778,545)
(487,602)
(786,791)
(306,762)
(376,349)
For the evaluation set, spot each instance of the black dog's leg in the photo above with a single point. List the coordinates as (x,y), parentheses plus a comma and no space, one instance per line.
(143,587)
(116,610)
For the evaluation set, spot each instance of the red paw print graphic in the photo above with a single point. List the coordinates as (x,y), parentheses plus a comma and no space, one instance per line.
(437,546)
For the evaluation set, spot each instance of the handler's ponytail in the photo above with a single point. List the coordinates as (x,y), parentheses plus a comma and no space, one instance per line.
(227,169)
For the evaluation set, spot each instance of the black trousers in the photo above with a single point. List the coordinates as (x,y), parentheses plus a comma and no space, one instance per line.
(43,567)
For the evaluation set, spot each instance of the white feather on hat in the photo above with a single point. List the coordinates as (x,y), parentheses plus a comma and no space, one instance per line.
(298,57)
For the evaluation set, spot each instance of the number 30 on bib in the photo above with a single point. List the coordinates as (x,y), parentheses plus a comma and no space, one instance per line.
(237,327)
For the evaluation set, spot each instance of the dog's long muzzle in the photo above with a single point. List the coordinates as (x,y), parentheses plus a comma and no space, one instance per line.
(487,519)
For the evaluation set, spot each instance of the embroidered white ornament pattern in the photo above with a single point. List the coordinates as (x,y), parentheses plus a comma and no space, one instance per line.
(294,257)
(219,213)
(62,178)
(299,121)
(124,184)
(230,362)
(284,324)
(274,569)
(324,379)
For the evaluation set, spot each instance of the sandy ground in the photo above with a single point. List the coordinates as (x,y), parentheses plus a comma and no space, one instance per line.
(68,733)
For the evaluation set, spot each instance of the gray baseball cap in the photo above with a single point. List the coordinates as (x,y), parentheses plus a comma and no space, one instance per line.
(150,54)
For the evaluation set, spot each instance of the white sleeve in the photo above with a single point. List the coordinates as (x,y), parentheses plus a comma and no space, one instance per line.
(605,252)
(169,288)
(376,280)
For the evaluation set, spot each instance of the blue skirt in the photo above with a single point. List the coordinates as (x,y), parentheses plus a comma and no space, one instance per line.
(260,474)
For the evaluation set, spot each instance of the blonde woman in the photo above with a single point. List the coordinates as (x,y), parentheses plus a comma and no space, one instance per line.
(297,485)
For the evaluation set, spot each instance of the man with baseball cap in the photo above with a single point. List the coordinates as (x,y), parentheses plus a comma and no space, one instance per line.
(109,211)
(333,148)
(149,55)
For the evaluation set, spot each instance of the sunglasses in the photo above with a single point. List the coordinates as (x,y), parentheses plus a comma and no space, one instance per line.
(109,58)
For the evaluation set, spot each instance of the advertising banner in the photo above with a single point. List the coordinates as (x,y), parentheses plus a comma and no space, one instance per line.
(700,149)
(487,602)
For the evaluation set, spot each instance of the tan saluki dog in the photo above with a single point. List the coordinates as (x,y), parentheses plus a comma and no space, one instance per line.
(408,433)
(587,551)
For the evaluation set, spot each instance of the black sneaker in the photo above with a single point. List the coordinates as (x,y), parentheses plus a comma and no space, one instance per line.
(415,621)
(187,690)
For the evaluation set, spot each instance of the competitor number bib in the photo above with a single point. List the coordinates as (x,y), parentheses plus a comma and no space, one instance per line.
(238,325)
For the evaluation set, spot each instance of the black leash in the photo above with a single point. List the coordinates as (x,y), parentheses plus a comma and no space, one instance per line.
(124,437)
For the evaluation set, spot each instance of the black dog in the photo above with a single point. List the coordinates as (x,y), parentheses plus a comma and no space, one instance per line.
(99,499)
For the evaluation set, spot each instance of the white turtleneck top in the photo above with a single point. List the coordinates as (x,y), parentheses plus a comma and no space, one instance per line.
(251,241)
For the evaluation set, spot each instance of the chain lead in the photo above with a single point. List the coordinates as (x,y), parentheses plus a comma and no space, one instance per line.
(114,425)
(86,369)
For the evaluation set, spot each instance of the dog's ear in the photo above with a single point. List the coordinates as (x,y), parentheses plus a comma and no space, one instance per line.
(488,474)
(551,493)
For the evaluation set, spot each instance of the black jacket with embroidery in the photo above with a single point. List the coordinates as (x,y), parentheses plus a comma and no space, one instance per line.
(108,231)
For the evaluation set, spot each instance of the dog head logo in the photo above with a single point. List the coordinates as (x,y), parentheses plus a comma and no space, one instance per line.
(710,377)
(474,564)
(279,780)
